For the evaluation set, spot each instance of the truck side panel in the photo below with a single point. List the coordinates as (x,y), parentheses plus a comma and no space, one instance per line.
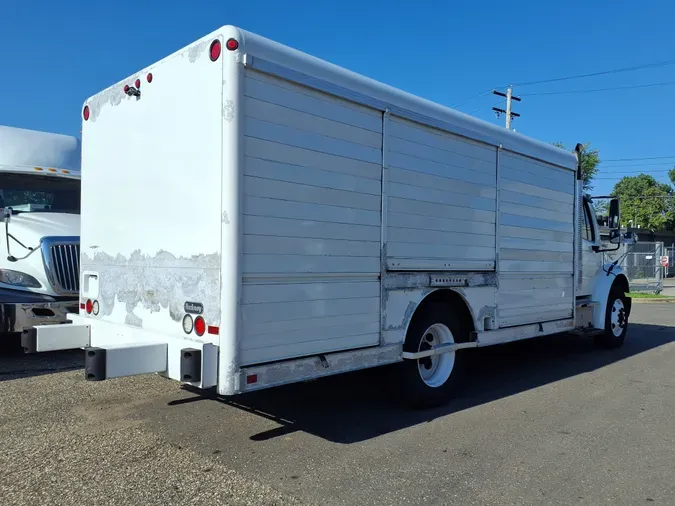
(441,200)
(311,208)
(536,241)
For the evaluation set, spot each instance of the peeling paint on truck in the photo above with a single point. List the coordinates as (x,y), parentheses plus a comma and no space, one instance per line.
(160,281)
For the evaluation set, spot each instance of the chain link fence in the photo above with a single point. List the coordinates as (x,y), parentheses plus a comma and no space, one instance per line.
(670,270)
(642,264)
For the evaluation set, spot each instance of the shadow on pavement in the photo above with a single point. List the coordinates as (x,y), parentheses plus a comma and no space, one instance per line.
(355,407)
(14,364)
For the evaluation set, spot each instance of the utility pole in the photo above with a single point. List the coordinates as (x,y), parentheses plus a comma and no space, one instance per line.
(508,112)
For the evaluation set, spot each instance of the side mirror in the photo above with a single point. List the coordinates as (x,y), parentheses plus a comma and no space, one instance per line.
(614,218)
(615,236)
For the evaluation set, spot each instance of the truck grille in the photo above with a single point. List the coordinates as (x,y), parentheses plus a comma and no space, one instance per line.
(62,263)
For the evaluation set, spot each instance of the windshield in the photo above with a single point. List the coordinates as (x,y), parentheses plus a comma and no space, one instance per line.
(31,193)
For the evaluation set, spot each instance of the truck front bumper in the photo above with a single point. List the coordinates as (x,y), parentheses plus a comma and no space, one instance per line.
(21,312)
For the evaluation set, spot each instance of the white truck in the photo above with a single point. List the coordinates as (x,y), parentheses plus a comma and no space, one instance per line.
(253,216)
(39,248)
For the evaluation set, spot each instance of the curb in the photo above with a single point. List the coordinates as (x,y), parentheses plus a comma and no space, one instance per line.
(666,300)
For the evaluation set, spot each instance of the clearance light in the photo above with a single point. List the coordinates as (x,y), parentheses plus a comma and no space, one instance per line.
(214,50)
(138,83)
(149,77)
(85,113)
(232,44)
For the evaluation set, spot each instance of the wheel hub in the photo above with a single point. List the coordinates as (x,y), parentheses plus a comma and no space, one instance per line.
(436,369)
(618,319)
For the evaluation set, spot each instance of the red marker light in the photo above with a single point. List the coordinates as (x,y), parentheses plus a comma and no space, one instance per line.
(138,83)
(85,113)
(214,50)
(149,77)
(232,44)
(251,378)
(200,326)
(126,88)
(213,330)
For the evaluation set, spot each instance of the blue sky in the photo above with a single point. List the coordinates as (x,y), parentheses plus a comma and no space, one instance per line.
(55,54)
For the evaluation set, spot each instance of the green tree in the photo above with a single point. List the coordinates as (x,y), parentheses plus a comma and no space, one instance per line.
(671,175)
(645,202)
(589,163)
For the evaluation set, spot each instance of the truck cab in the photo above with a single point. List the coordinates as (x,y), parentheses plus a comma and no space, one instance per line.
(39,243)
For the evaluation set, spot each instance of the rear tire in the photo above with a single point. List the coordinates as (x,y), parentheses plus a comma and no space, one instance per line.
(616,320)
(433,381)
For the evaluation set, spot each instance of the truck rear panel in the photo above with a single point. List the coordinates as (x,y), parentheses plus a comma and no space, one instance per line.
(151,195)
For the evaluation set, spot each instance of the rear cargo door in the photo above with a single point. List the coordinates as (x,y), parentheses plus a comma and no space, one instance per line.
(151,194)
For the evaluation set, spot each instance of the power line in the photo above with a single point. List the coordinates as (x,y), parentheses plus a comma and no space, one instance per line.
(636,165)
(567,78)
(616,88)
(637,171)
(604,72)
(636,159)
(466,101)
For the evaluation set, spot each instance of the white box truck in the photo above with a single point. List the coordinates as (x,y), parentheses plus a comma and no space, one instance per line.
(39,248)
(254,216)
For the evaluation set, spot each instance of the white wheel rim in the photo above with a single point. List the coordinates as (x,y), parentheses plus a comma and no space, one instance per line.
(436,369)
(618,318)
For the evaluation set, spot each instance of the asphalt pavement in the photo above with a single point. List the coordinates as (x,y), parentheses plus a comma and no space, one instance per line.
(547,421)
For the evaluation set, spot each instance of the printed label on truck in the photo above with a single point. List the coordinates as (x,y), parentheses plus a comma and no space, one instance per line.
(194,307)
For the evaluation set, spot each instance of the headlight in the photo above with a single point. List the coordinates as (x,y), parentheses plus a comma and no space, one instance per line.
(17,278)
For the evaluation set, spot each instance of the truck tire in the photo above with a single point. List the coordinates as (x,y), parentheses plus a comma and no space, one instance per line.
(432,381)
(616,320)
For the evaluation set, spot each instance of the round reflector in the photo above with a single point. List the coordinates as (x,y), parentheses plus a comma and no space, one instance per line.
(232,44)
(200,326)
(90,306)
(149,77)
(85,113)
(138,83)
(188,324)
(214,50)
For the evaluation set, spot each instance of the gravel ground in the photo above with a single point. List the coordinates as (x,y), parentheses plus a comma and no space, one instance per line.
(548,421)
(67,441)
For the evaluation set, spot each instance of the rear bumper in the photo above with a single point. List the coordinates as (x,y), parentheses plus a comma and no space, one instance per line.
(115,350)
(18,316)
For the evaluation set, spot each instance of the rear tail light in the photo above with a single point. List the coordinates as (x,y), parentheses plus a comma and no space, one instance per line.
(200,326)
(214,50)
(90,306)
